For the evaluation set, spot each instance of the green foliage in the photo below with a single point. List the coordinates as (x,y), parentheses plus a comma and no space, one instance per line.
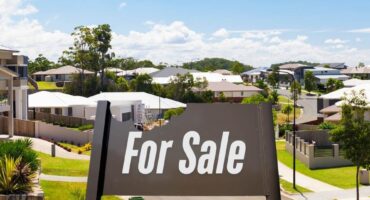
(237,68)
(173,112)
(283,128)
(273,77)
(222,97)
(78,194)
(309,81)
(333,84)
(297,87)
(254,99)
(20,148)
(274,97)
(15,176)
(87,86)
(287,109)
(85,127)
(122,84)
(142,83)
(327,126)
(211,64)
(353,132)
(41,63)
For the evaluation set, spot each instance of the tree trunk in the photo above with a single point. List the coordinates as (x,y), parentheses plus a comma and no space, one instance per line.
(357,184)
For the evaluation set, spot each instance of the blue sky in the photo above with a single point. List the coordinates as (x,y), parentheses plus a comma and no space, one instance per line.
(255,32)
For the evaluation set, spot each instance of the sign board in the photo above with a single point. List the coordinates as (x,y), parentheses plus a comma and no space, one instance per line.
(209,150)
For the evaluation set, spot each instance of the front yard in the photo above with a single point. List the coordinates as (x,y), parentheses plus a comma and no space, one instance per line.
(63,167)
(342,177)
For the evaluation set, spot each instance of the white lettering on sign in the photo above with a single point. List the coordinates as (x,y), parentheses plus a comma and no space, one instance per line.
(204,165)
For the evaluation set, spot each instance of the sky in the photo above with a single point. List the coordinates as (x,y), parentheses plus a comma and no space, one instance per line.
(255,32)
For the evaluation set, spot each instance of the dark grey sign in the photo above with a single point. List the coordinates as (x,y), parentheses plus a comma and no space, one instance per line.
(209,150)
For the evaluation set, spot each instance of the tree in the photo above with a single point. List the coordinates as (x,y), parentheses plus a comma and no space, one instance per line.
(273,77)
(295,86)
(353,132)
(333,84)
(326,66)
(142,83)
(254,99)
(361,64)
(237,68)
(122,84)
(222,97)
(309,81)
(41,63)
(211,64)
(287,109)
(274,97)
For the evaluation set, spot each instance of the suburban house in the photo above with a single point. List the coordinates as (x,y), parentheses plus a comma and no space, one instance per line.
(232,92)
(143,106)
(297,69)
(357,72)
(355,82)
(323,74)
(61,74)
(13,85)
(254,75)
(339,66)
(129,74)
(327,103)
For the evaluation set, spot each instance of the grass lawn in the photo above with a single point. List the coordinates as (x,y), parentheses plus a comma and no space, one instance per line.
(288,186)
(44,85)
(342,177)
(75,148)
(284,100)
(63,167)
(64,190)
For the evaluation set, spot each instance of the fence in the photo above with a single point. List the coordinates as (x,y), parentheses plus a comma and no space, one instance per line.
(21,127)
(59,119)
(315,151)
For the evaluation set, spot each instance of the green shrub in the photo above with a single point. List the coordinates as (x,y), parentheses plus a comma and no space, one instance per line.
(78,194)
(283,128)
(20,148)
(85,127)
(136,198)
(15,176)
(172,112)
(327,126)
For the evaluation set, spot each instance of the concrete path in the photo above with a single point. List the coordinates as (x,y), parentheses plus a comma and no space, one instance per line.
(63,178)
(349,194)
(286,173)
(45,147)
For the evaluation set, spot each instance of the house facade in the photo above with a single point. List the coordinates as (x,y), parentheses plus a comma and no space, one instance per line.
(323,74)
(357,72)
(13,85)
(61,74)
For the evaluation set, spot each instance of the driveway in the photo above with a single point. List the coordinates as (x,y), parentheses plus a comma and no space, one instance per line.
(308,104)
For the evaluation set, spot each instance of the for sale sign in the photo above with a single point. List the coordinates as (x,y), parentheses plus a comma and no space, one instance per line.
(209,150)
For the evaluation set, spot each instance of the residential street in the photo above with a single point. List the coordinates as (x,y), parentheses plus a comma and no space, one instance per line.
(308,103)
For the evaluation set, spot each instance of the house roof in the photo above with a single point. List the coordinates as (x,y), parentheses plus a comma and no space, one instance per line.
(354,82)
(45,99)
(138,71)
(8,72)
(223,72)
(63,70)
(150,101)
(356,70)
(291,66)
(4,48)
(224,86)
(330,109)
(171,71)
(331,65)
(325,77)
(338,94)
(255,71)
(334,118)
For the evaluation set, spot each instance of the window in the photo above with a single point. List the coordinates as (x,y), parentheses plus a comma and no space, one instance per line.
(242,93)
(126,116)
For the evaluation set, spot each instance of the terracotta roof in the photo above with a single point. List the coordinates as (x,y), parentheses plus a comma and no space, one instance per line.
(356,70)
(63,70)
(291,66)
(227,86)
(334,118)
(330,109)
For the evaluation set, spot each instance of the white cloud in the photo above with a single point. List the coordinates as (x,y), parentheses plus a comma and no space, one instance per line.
(363,30)
(122,4)
(175,42)
(335,41)
(358,40)
(221,33)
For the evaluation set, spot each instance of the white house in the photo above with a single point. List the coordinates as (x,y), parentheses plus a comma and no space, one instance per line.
(13,85)
(60,74)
